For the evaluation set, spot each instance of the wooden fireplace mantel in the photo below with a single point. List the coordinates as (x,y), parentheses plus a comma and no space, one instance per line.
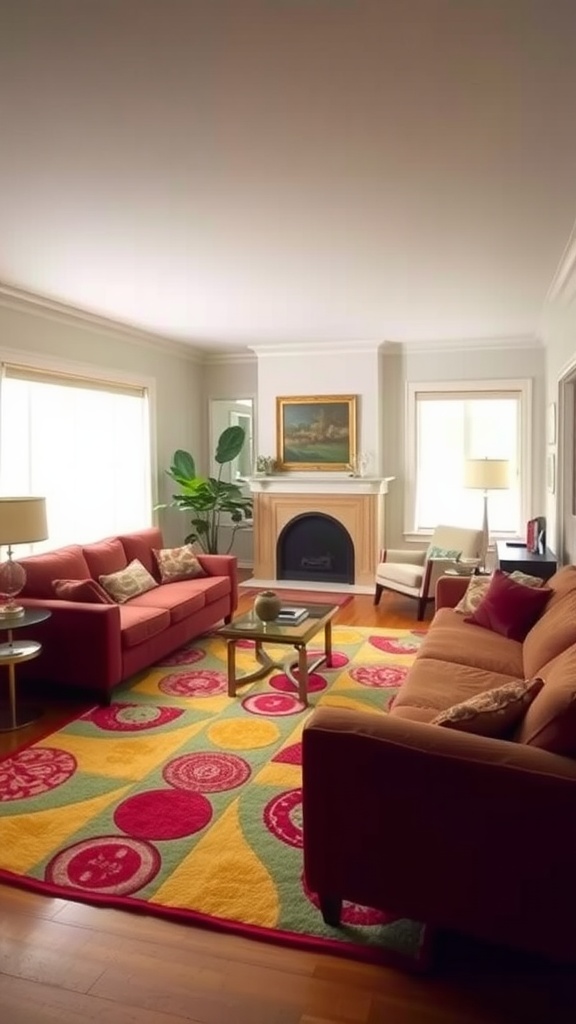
(356,502)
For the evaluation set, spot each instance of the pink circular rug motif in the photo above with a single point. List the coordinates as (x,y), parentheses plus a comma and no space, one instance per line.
(290,755)
(270,704)
(207,772)
(185,656)
(109,865)
(354,913)
(285,685)
(33,771)
(283,817)
(163,814)
(132,717)
(204,683)
(379,675)
(393,645)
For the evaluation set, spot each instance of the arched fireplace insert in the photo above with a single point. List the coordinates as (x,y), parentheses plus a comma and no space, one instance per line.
(314,546)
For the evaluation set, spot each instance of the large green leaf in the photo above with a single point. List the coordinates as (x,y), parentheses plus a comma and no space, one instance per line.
(230,444)
(183,466)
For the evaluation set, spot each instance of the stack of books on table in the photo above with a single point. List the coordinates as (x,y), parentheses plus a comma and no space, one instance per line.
(289,615)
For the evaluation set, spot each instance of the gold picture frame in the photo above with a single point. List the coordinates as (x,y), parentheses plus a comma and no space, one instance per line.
(316,432)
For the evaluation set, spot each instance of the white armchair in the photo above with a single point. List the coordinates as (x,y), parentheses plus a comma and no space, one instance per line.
(415,573)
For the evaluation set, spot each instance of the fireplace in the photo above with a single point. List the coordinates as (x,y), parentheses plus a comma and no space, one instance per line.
(315,546)
(350,514)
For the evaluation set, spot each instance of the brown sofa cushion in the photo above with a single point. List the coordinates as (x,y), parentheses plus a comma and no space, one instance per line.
(88,591)
(452,639)
(554,632)
(494,712)
(509,608)
(432,686)
(550,722)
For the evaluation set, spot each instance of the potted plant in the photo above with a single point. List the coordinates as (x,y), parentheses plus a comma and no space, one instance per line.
(209,497)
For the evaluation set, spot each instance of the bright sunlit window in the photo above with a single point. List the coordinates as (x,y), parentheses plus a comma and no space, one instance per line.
(452,423)
(83,444)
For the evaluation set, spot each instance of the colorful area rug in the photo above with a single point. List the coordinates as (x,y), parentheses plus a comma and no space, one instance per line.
(180,801)
(303,596)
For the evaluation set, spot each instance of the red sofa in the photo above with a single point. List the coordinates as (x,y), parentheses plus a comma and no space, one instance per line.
(95,646)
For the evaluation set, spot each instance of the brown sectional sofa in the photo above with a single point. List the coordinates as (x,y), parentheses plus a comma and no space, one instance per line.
(465,832)
(93,647)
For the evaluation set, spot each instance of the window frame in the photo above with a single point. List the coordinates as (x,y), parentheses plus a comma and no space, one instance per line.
(95,377)
(477,389)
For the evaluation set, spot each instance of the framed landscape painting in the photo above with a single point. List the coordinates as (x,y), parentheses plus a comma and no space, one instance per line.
(316,432)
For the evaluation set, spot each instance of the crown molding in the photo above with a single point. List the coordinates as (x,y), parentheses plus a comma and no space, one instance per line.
(299,348)
(563,287)
(40,305)
(520,341)
(221,358)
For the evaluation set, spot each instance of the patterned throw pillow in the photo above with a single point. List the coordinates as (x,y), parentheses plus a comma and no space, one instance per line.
(436,552)
(129,582)
(81,590)
(177,564)
(478,588)
(494,712)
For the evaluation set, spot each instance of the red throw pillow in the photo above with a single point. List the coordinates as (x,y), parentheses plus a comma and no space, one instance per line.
(509,608)
(81,590)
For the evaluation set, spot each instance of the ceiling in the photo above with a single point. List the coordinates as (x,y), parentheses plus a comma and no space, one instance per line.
(234,172)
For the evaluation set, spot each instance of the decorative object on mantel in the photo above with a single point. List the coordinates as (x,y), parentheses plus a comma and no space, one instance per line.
(267,604)
(360,464)
(265,464)
(316,432)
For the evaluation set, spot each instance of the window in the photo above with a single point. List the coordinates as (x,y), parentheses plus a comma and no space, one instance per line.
(82,443)
(451,423)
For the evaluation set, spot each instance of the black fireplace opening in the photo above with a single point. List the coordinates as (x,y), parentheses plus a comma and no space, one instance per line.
(314,546)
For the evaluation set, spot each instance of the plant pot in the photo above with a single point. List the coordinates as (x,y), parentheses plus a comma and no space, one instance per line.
(267,605)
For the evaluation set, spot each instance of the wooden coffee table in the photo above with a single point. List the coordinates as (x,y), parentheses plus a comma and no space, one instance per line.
(250,627)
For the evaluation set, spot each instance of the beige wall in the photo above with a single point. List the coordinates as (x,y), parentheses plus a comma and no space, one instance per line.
(178,413)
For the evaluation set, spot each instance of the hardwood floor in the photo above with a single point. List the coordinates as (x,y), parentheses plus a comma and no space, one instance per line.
(66,962)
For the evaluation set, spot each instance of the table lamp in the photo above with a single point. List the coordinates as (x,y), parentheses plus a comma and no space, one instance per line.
(22,521)
(487,475)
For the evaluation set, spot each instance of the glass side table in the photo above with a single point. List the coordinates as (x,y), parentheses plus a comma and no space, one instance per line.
(12,653)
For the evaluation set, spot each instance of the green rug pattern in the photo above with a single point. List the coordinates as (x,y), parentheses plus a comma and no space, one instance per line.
(180,801)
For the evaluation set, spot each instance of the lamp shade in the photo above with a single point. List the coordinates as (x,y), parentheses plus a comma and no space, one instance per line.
(487,474)
(22,520)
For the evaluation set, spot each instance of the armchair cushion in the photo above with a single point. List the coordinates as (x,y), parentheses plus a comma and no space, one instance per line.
(436,552)
(400,572)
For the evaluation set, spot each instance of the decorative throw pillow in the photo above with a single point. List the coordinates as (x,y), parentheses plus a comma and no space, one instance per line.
(509,608)
(134,579)
(478,587)
(436,552)
(177,564)
(492,713)
(88,591)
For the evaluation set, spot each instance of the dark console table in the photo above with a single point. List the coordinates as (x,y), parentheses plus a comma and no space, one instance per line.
(511,558)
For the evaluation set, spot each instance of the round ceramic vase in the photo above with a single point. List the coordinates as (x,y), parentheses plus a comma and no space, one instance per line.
(267,605)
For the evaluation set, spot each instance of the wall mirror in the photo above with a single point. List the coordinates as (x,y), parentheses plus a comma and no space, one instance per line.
(232,412)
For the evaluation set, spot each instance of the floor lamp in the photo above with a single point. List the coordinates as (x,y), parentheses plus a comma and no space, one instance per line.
(487,475)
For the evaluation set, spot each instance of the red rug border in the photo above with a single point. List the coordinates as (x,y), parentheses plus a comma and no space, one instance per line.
(294,940)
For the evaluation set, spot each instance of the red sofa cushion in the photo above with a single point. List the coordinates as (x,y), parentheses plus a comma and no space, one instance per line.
(509,608)
(174,598)
(140,544)
(42,570)
(139,624)
(105,557)
(88,591)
